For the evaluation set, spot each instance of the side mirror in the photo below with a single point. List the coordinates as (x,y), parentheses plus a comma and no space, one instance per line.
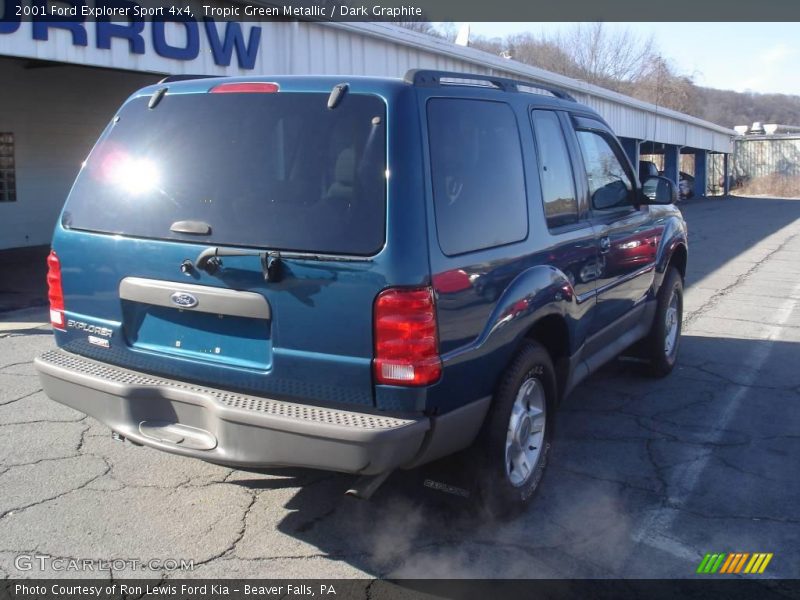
(659,190)
(613,194)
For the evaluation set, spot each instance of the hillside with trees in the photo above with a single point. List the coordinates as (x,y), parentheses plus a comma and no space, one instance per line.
(632,65)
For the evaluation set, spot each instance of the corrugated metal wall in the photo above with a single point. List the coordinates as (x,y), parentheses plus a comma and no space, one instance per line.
(55,115)
(379,49)
(762,156)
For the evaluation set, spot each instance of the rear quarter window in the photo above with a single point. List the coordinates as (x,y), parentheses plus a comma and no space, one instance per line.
(555,171)
(477,171)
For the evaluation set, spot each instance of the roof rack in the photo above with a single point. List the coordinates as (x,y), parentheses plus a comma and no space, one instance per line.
(171,78)
(431,78)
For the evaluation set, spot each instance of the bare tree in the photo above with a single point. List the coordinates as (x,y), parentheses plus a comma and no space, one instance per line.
(622,61)
(660,85)
(420,27)
(606,57)
(445,31)
(543,53)
(587,51)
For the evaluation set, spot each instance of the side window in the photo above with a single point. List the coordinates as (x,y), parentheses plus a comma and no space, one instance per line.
(610,185)
(555,170)
(478,180)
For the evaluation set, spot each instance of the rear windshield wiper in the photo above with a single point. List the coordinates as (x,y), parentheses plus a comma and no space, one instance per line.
(209,259)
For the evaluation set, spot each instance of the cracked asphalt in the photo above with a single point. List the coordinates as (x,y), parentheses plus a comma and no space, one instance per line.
(645,476)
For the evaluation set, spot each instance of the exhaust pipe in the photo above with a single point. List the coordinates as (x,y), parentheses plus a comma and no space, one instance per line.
(118,437)
(366,485)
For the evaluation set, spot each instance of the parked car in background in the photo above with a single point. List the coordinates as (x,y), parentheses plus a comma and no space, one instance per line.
(685,185)
(357,274)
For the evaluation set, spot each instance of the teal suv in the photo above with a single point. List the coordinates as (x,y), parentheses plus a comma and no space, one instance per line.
(356,274)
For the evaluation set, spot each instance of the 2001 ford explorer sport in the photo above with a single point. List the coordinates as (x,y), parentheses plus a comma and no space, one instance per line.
(356,274)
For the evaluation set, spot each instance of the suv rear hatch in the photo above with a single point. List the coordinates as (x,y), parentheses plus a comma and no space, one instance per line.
(276,177)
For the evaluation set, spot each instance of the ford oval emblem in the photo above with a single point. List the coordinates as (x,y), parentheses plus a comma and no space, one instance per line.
(183,299)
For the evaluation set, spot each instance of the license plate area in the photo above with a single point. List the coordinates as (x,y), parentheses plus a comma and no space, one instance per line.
(214,338)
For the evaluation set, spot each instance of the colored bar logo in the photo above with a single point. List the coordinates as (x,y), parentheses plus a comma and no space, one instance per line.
(735,562)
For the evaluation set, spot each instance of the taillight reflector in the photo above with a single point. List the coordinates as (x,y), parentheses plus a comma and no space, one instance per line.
(406,338)
(54,291)
(245,88)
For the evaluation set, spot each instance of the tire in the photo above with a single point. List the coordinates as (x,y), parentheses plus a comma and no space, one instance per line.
(660,349)
(522,409)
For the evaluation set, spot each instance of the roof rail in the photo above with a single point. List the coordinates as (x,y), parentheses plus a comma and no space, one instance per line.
(171,78)
(431,78)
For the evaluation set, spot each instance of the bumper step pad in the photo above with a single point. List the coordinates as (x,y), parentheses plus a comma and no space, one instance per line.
(248,430)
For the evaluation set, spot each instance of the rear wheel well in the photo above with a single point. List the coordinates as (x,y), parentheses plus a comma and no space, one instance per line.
(678,260)
(552,333)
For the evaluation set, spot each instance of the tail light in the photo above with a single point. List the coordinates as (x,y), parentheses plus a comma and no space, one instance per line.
(406,340)
(54,291)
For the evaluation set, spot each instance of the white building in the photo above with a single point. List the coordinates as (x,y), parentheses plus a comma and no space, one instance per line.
(62,82)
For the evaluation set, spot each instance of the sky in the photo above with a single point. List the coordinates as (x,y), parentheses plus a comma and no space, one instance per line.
(758,57)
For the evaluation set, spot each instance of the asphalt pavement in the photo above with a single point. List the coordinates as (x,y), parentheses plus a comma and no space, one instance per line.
(645,476)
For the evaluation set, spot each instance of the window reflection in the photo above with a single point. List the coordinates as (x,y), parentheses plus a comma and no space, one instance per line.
(609,184)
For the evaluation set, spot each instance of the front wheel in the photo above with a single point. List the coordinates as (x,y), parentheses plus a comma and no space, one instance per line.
(516,437)
(665,335)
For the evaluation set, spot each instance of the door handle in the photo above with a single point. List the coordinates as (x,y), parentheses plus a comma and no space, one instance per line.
(605,244)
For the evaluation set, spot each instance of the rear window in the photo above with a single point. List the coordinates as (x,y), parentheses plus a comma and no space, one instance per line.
(277,170)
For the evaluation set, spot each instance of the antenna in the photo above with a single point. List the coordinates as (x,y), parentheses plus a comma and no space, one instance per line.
(462,39)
